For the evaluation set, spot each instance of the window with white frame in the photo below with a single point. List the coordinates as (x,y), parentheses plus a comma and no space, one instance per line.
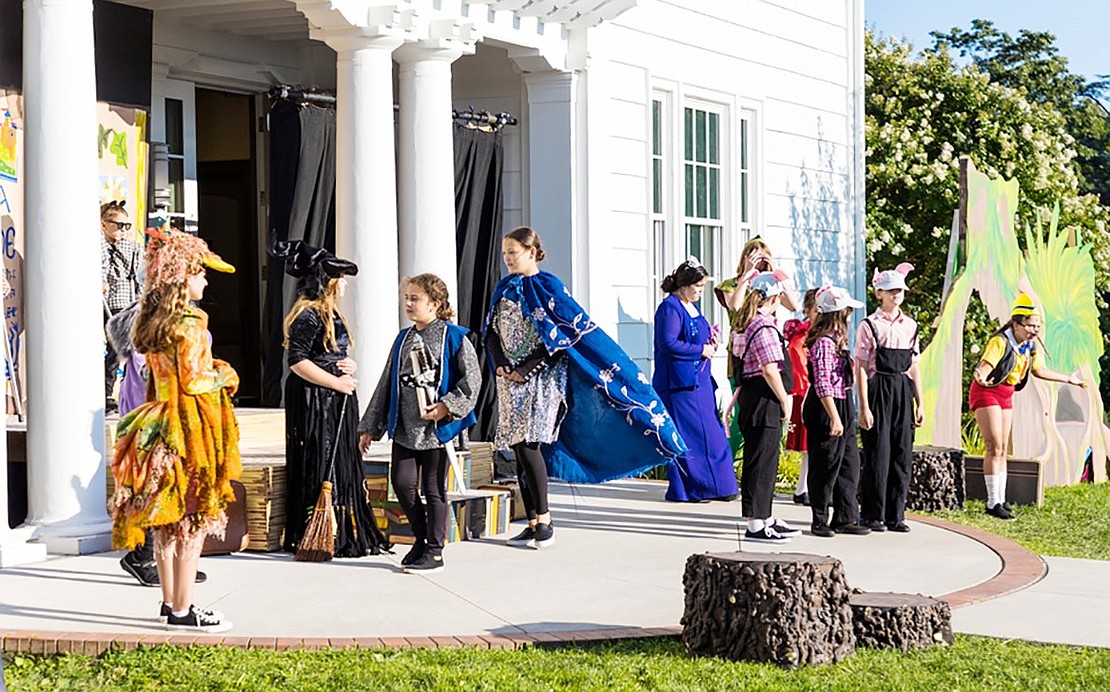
(659,207)
(744,177)
(702,186)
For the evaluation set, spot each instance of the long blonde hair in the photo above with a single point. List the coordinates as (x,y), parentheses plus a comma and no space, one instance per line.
(754,243)
(326,305)
(159,314)
(753,301)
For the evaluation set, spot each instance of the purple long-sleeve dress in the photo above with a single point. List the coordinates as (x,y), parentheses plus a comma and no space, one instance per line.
(684,381)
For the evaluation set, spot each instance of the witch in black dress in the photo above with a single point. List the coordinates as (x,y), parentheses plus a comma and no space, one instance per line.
(321,407)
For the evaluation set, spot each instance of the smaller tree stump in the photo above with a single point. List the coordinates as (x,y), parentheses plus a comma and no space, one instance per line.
(789,609)
(900,621)
(937,479)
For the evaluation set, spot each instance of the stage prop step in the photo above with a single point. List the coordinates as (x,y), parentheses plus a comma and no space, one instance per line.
(900,621)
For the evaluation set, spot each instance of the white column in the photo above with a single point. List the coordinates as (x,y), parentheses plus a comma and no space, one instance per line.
(366,198)
(552,170)
(426,163)
(65,387)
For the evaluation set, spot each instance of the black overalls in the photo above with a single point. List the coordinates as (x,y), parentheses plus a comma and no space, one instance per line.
(888,445)
(760,419)
(833,461)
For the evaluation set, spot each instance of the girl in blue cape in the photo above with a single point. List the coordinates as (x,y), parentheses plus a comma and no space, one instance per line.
(571,404)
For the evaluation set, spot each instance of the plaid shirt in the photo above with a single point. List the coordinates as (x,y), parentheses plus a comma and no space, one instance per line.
(765,345)
(828,369)
(123,269)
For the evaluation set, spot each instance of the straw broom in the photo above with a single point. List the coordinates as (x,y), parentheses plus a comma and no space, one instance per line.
(318,542)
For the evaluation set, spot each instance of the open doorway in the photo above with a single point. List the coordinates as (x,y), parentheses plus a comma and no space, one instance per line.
(227,190)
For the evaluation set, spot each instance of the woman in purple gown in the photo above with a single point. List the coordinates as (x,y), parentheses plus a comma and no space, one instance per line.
(684,348)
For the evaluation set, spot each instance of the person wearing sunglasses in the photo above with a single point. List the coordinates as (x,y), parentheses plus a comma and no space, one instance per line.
(122,271)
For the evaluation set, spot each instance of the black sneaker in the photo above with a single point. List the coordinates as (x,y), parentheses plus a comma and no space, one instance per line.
(875,525)
(145,572)
(822,530)
(198,620)
(415,553)
(802,499)
(766,535)
(164,612)
(899,527)
(784,529)
(524,539)
(852,529)
(426,563)
(1006,506)
(999,511)
(544,536)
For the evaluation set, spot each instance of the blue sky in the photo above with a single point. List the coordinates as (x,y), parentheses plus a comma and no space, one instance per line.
(1080,26)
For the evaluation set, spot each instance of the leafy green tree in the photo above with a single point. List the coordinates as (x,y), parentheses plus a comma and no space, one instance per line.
(1032,64)
(922,114)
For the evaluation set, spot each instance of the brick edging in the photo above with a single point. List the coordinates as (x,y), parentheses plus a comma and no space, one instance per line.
(1021,568)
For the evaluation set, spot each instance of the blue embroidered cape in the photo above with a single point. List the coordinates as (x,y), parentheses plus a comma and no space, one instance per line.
(616,425)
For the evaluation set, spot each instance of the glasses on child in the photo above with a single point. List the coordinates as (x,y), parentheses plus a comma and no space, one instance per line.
(122,225)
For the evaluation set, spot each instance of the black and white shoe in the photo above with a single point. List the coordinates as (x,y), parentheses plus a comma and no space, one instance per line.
(198,620)
(766,535)
(524,539)
(146,573)
(544,536)
(164,612)
(426,563)
(784,529)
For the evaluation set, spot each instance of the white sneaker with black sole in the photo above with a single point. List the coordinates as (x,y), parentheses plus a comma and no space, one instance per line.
(197,620)
(766,535)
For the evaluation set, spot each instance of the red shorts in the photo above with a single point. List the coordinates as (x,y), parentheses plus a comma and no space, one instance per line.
(981,397)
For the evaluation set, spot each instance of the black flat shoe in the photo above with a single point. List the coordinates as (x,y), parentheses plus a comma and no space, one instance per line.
(802,499)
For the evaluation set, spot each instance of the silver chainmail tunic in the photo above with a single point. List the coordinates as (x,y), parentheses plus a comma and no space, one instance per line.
(530,411)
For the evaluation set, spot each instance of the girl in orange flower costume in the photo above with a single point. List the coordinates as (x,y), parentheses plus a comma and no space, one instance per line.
(177,454)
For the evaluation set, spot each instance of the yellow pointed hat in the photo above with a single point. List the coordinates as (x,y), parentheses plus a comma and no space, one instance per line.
(1023,306)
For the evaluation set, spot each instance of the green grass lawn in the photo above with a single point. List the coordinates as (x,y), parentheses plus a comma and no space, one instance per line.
(972,663)
(1073,522)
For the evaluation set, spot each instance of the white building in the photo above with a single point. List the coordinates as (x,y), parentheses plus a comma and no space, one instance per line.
(649,130)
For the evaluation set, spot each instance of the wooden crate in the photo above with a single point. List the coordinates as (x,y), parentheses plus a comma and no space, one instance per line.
(264,479)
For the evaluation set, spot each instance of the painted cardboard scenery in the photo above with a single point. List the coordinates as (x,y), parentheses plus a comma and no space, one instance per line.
(122,149)
(1058,425)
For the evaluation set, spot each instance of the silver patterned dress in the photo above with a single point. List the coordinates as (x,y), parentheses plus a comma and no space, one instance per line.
(528,411)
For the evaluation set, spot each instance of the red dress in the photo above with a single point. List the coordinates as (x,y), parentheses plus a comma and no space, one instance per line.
(795,332)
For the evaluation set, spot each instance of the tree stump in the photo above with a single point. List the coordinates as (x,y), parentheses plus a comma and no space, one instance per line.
(900,621)
(937,479)
(789,609)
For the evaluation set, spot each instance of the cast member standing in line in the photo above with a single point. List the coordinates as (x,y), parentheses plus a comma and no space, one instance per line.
(765,378)
(1008,359)
(545,351)
(755,257)
(684,348)
(321,407)
(830,418)
(177,454)
(795,332)
(889,390)
(424,399)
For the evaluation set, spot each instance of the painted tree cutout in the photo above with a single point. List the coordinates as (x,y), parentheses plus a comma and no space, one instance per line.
(1056,424)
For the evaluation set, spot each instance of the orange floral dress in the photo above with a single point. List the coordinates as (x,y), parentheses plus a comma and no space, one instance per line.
(177,454)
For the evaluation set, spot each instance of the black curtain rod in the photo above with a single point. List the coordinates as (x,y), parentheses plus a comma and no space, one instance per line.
(470,117)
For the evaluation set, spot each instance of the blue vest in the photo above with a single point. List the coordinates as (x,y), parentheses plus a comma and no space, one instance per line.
(446,430)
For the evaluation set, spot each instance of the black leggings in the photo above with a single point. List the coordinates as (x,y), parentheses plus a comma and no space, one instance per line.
(428,469)
(531,471)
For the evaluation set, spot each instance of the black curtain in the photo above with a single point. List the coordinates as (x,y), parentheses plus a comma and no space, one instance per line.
(302,206)
(479,211)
